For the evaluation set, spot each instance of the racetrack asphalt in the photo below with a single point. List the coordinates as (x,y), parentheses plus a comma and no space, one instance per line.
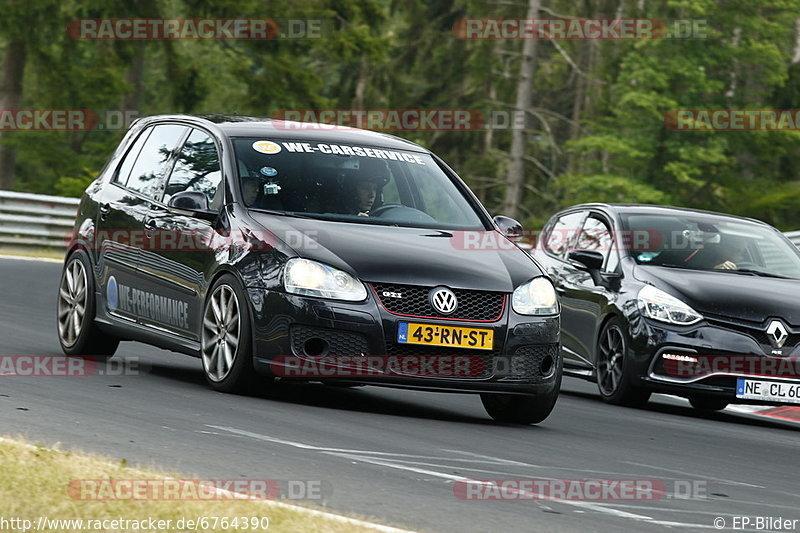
(394,455)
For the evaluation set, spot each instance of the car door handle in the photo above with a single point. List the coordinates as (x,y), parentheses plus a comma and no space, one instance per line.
(150,226)
(105,209)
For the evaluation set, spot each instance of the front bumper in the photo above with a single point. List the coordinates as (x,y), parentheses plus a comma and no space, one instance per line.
(346,338)
(706,359)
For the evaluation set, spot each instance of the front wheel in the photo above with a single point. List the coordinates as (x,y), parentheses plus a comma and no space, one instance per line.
(77,332)
(614,368)
(226,344)
(519,409)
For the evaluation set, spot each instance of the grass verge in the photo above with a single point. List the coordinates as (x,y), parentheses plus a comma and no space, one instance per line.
(35,483)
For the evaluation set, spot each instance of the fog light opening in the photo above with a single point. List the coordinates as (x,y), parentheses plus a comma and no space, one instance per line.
(315,347)
(547,365)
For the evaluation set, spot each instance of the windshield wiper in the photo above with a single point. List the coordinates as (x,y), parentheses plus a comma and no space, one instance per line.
(758,273)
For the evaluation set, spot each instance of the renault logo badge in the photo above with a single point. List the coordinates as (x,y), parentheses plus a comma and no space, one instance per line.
(777,333)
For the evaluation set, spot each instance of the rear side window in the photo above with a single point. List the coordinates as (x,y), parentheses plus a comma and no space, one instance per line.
(561,236)
(196,169)
(154,158)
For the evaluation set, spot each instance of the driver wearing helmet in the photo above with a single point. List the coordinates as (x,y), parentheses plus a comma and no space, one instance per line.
(368,184)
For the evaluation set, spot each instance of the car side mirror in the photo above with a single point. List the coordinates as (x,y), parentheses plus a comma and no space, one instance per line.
(590,260)
(194,202)
(508,226)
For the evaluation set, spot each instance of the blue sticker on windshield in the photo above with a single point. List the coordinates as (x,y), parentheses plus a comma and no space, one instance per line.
(269,171)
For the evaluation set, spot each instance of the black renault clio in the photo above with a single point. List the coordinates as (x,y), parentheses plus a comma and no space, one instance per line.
(661,299)
(281,250)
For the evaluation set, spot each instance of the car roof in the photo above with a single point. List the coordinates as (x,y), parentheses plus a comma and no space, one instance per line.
(653,209)
(242,126)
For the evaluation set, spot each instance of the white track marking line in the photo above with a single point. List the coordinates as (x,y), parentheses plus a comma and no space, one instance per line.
(433,473)
(25,258)
(689,474)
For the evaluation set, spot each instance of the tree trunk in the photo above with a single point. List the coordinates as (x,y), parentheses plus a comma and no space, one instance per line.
(515,179)
(11,98)
(133,76)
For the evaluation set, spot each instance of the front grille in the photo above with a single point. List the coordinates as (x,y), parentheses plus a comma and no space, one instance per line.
(338,342)
(757,332)
(479,363)
(475,306)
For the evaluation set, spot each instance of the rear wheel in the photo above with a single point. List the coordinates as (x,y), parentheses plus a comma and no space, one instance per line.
(77,332)
(226,344)
(708,403)
(613,368)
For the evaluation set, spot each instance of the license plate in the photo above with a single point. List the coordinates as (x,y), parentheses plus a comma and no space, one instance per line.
(771,391)
(436,335)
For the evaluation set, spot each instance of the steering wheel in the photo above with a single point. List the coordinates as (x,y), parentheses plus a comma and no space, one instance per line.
(401,213)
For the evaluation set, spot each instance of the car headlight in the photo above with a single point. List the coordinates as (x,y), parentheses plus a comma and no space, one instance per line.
(658,305)
(309,278)
(537,297)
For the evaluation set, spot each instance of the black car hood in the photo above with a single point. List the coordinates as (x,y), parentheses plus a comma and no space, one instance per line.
(390,254)
(739,296)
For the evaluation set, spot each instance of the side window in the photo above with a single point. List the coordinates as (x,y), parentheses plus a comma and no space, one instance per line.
(130,158)
(562,234)
(197,169)
(151,165)
(597,237)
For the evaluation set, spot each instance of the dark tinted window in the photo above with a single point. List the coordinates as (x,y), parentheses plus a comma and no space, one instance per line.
(562,235)
(151,165)
(196,168)
(130,157)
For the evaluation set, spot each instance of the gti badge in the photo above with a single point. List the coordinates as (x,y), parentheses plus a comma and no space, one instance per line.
(777,333)
(443,300)
(391,294)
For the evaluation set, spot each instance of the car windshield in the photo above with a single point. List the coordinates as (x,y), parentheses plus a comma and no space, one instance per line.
(709,242)
(350,183)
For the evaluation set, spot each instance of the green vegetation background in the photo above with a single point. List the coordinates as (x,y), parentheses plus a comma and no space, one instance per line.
(595,132)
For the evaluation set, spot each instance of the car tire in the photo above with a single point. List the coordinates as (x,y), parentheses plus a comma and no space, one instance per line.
(226,348)
(78,333)
(613,368)
(522,409)
(708,403)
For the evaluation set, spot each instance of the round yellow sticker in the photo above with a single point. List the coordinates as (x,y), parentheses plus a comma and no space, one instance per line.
(266,147)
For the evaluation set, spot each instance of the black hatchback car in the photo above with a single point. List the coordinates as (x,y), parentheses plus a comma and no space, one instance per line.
(660,299)
(285,250)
